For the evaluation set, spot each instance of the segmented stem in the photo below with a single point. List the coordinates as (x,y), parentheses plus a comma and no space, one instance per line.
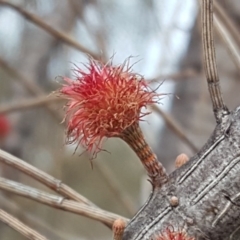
(133,136)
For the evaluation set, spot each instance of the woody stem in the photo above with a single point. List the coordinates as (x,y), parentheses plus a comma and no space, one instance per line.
(133,136)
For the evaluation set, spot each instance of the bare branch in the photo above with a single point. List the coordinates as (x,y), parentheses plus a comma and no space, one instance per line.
(219,108)
(228,41)
(182,75)
(115,187)
(10,205)
(32,88)
(59,202)
(20,227)
(174,126)
(30,103)
(42,177)
(46,27)
(227,21)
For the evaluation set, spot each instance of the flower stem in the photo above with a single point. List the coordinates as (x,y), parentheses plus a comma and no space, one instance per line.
(133,136)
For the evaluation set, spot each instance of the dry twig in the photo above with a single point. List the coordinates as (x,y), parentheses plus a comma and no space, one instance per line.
(20,227)
(219,107)
(46,27)
(174,126)
(227,21)
(11,206)
(32,88)
(42,177)
(59,202)
(30,103)
(227,39)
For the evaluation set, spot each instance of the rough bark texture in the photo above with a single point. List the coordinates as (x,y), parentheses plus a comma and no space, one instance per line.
(208,189)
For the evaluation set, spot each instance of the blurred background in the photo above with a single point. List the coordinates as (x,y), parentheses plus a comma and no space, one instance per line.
(164,39)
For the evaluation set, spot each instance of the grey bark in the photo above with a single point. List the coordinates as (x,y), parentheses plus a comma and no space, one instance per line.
(208,189)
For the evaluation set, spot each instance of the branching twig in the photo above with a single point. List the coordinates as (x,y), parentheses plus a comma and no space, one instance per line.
(219,107)
(59,202)
(20,227)
(170,122)
(54,32)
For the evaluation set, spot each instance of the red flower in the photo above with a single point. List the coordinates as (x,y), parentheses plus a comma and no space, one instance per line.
(104,100)
(171,234)
(4,126)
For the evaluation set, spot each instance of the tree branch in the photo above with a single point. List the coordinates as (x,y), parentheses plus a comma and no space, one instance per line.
(59,202)
(228,40)
(173,125)
(30,103)
(52,31)
(42,177)
(31,87)
(219,108)
(20,227)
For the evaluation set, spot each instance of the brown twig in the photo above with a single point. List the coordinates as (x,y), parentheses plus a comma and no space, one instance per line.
(174,126)
(32,88)
(42,177)
(20,227)
(219,108)
(30,103)
(59,202)
(114,186)
(187,73)
(228,41)
(10,205)
(46,27)
(227,21)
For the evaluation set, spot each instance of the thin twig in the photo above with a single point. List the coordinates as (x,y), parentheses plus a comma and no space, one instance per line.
(10,205)
(59,202)
(219,108)
(30,103)
(20,227)
(32,88)
(227,21)
(42,177)
(52,31)
(174,126)
(182,75)
(228,41)
(114,186)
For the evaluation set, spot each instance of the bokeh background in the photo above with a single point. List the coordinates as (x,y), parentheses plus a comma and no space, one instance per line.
(164,38)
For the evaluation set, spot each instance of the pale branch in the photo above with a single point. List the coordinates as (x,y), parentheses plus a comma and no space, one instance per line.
(59,202)
(48,28)
(181,75)
(31,87)
(227,22)
(174,126)
(42,177)
(227,40)
(219,108)
(29,103)
(114,186)
(20,227)
(11,205)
